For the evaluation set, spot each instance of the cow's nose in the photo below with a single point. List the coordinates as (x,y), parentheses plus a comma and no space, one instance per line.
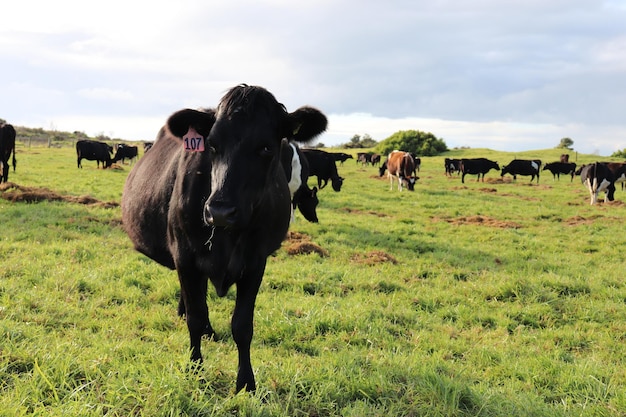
(220,215)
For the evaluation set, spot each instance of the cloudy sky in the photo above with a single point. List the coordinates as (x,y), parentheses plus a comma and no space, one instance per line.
(509,75)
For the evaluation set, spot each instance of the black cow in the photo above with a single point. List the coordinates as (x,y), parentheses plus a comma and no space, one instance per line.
(322,165)
(7,146)
(523,167)
(558,168)
(598,178)
(94,151)
(375,159)
(341,157)
(125,152)
(297,172)
(211,200)
(477,166)
(452,165)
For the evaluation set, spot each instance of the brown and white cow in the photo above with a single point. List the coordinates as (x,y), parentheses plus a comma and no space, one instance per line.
(402,166)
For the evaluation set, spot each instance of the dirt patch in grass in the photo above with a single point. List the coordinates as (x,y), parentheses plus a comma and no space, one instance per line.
(357,211)
(300,244)
(22,194)
(580,220)
(483,221)
(373,258)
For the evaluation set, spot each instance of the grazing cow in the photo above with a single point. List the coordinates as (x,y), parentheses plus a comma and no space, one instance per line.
(558,168)
(598,178)
(452,165)
(7,146)
(523,167)
(619,171)
(297,172)
(418,163)
(341,157)
(94,151)
(477,166)
(375,159)
(401,165)
(364,157)
(125,152)
(323,166)
(211,200)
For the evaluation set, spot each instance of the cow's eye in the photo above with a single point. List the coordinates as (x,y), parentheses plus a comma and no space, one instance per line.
(266,151)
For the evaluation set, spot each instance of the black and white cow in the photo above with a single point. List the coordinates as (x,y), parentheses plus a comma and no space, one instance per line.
(523,167)
(477,166)
(211,200)
(452,165)
(297,173)
(597,177)
(619,172)
(558,168)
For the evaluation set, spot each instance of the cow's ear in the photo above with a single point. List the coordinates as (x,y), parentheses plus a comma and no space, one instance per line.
(305,123)
(202,121)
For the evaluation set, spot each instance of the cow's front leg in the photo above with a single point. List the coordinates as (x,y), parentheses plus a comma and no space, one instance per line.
(242,328)
(208,330)
(193,290)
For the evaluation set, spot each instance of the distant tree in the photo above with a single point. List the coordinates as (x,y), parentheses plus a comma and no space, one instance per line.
(415,141)
(360,142)
(619,154)
(566,143)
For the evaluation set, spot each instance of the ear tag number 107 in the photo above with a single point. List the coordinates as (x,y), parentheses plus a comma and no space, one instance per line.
(193,141)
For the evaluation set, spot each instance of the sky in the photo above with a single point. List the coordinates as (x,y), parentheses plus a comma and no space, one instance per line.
(507,75)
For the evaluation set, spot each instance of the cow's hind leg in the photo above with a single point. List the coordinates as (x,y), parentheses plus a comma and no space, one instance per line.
(242,328)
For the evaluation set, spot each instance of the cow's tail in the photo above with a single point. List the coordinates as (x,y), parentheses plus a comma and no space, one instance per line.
(14,161)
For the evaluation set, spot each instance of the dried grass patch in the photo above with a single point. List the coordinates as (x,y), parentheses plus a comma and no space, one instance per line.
(300,244)
(483,221)
(373,258)
(22,194)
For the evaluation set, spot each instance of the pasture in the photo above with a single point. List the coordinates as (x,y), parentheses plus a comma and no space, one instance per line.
(501,298)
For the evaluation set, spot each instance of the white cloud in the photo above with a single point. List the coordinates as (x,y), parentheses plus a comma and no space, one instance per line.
(489,66)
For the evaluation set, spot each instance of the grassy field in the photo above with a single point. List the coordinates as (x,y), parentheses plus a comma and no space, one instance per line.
(501,298)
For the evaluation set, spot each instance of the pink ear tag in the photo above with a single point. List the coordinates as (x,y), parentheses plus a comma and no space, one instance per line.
(193,141)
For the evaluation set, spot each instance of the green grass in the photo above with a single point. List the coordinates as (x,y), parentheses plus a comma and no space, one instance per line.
(505,299)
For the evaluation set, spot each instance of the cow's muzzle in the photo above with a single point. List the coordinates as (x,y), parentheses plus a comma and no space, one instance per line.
(220,215)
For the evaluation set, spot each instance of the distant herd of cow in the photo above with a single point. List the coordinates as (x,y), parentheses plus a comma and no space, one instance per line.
(597,177)
(403,166)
